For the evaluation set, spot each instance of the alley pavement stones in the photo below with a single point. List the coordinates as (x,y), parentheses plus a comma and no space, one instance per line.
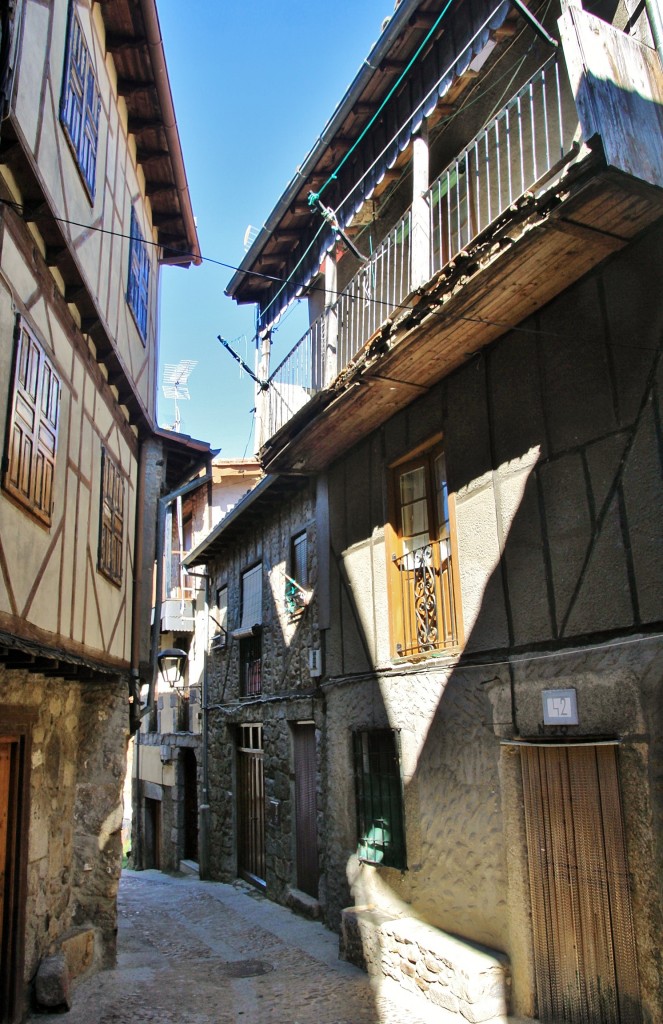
(192,952)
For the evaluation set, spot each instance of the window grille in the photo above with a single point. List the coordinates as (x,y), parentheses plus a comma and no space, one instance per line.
(425,601)
(80,103)
(379,796)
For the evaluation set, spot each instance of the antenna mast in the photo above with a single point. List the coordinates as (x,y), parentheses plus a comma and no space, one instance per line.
(175,385)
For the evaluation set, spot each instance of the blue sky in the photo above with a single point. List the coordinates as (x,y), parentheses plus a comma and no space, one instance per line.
(253,84)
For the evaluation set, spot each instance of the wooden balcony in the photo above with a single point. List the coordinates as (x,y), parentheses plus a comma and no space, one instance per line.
(526,210)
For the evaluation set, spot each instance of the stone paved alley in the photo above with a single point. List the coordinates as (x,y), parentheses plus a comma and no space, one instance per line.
(192,952)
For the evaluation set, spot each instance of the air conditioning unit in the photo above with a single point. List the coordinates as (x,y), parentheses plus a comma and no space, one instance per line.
(315,663)
(219,641)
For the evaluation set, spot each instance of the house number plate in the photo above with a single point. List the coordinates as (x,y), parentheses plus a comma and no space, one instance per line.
(560,707)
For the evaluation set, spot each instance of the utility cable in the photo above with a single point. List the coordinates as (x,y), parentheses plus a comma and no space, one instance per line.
(314,196)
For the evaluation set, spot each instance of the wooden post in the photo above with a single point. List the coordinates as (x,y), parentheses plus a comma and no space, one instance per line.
(263,349)
(420,253)
(330,353)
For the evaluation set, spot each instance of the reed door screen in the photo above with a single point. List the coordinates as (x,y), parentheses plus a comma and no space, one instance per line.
(584,945)
(250,805)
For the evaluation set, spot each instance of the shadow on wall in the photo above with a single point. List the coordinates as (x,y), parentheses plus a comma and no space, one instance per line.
(553,448)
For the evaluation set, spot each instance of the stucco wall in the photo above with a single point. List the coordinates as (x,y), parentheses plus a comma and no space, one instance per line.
(552,439)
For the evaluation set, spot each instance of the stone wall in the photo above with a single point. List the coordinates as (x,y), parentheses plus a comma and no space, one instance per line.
(76,777)
(288,691)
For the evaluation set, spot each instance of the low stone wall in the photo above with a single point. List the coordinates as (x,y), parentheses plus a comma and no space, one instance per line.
(468,981)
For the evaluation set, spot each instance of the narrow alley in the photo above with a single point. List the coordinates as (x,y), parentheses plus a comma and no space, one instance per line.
(192,952)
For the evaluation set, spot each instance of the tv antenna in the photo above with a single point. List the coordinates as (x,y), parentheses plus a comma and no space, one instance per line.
(175,385)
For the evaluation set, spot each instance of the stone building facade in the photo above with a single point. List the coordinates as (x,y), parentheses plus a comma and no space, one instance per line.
(264,707)
(83,464)
(476,402)
(166,758)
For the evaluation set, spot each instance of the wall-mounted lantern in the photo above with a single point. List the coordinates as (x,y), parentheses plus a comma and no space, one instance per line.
(172,665)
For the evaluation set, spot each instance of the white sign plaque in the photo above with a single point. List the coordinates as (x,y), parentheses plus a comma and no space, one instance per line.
(560,707)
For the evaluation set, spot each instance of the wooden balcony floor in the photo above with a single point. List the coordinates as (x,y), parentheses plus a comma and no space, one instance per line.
(527,260)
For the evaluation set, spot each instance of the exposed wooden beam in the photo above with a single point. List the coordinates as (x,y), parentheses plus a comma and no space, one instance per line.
(116,43)
(137,125)
(129,87)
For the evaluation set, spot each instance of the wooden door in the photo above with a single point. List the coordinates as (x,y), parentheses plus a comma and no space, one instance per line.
(190,773)
(250,805)
(11,870)
(584,945)
(306,809)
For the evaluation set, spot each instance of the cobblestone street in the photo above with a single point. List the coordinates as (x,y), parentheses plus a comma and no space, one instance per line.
(192,952)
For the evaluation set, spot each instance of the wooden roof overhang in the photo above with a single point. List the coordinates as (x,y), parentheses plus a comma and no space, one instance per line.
(247,515)
(133,38)
(532,255)
(38,655)
(293,224)
(185,456)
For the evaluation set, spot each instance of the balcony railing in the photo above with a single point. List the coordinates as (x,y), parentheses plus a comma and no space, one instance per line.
(517,149)
(425,614)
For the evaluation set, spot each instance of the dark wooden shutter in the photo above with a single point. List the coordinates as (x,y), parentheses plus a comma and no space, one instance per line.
(34,427)
(306,809)
(584,945)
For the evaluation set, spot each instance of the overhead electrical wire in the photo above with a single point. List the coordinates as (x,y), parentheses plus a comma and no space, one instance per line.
(314,196)
(20,209)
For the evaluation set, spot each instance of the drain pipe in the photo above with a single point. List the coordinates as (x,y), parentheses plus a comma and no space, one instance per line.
(656,25)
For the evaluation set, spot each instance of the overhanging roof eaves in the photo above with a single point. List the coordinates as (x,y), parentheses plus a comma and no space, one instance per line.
(133,38)
(268,490)
(396,25)
(186,455)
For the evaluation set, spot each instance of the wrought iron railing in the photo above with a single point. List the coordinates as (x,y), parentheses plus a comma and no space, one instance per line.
(425,613)
(517,149)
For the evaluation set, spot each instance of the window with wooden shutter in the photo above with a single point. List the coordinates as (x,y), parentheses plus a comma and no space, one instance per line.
(111,523)
(33,429)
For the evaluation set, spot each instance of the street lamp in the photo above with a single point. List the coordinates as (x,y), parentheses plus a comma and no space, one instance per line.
(172,663)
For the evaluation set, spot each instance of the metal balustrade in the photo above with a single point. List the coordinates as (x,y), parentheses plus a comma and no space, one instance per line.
(425,600)
(517,149)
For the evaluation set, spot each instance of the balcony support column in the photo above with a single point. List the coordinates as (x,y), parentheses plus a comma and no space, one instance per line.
(420,253)
(330,349)
(262,429)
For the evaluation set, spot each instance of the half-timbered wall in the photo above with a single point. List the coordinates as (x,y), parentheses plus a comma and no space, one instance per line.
(97,229)
(553,447)
(50,586)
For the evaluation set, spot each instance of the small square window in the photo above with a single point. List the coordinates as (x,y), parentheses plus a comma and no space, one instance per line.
(379,795)
(80,102)
(139,277)
(111,519)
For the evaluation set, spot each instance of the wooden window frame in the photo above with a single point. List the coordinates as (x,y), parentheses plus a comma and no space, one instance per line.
(400,624)
(32,429)
(138,282)
(80,103)
(296,582)
(376,764)
(110,553)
